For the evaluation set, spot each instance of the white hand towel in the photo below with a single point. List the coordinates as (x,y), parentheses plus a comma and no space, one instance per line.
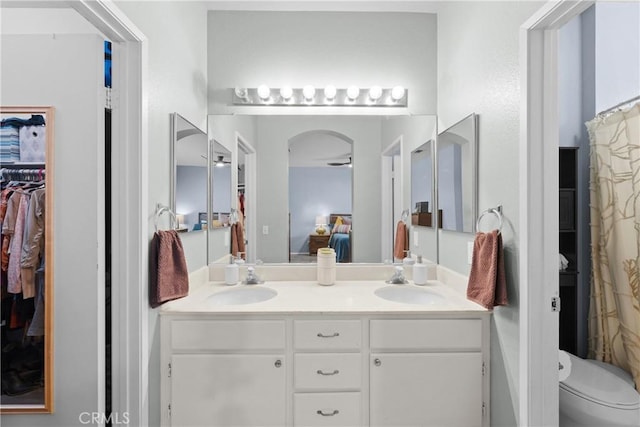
(564,262)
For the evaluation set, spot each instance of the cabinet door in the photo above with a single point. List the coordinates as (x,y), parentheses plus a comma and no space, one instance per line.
(426,389)
(227,390)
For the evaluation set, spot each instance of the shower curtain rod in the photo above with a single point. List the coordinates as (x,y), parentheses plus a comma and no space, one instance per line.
(629,101)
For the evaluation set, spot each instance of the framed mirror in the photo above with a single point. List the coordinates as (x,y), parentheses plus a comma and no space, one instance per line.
(422,185)
(458,175)
(189,154)
(26,215)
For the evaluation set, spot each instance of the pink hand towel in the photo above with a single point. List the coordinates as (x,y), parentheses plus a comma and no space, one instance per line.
(402,243)
(168,275)
(487,283)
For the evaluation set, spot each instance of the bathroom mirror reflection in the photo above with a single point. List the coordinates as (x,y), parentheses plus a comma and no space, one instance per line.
(457,175)
(345,179)
(26,166)
(422,185)
(190,174)
(220,186)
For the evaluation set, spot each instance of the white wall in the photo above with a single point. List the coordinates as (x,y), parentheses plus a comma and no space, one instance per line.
(176,82)
(247,49)
(478,71)
(69,83)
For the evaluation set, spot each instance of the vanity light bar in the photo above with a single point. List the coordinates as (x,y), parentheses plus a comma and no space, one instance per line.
(330,96)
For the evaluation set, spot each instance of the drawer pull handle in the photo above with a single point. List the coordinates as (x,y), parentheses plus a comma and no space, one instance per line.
(335,334)
(278,363)
(319,372)
(327,414)
(377,362)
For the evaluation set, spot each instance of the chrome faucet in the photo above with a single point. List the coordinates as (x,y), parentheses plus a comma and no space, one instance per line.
(252,277)
(398,277)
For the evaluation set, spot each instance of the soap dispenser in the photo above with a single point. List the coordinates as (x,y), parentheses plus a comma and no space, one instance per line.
(231,272)
(420,272)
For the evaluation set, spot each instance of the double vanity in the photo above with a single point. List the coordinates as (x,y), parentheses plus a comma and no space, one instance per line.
(289,352)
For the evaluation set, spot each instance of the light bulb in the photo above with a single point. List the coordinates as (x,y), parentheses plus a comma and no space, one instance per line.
(330,92)
(286,92)
(375,93)
(353,92)
(264,92)
(241,92)
(309,92)
(397,93)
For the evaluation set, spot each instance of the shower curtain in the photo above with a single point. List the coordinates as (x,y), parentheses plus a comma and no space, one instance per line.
(614,313)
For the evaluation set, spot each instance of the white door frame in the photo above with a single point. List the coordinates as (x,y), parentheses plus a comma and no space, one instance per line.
(250,194)
(130,209)
(539,137)
(387,229)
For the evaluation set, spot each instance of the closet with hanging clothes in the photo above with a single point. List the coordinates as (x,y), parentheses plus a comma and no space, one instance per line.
(25,340)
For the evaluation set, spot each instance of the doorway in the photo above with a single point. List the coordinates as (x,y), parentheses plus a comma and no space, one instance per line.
(392,203)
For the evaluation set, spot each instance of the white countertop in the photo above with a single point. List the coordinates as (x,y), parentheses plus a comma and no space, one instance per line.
(349,296)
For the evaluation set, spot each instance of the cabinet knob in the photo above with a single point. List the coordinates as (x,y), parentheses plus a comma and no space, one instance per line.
(321,335)
(278,363)
(327,414)
(320,372)
(377,362)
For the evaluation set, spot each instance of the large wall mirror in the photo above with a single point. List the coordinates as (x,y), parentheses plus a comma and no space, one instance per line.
(457,175)
(26,215)
(190,150)
(312,169)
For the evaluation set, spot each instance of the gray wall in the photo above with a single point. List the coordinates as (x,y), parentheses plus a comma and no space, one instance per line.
(78,246)
(247,49)
(479,71)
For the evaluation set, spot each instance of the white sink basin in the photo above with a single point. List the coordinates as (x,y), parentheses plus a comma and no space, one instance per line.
(244,295)
(410,295)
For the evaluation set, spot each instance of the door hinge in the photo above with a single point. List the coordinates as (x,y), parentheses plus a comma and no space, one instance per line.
(169,409)
(484,409)
(483,369)
(169,370)
(555,304)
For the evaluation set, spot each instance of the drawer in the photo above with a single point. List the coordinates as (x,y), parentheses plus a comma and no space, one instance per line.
(328,371)
(327,334)
(426,334)
(327,409)
(228,335)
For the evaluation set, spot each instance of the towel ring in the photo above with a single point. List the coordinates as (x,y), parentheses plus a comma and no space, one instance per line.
(159,211)
(497,212)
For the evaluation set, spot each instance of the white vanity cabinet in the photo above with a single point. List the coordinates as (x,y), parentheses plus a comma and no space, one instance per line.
(426,372)
(315,369)
(224,372)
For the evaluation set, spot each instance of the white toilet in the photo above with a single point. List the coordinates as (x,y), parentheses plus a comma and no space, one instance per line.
(594,393)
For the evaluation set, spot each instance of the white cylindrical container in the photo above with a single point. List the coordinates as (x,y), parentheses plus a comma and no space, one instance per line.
(326,266)
(231,273)
(420,272)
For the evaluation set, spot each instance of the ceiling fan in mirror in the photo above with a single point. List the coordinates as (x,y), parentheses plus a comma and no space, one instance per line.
(221,162)
(347,163)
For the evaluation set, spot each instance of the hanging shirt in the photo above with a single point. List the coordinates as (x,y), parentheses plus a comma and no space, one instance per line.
(15,248)
(8,226)
(32,242)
